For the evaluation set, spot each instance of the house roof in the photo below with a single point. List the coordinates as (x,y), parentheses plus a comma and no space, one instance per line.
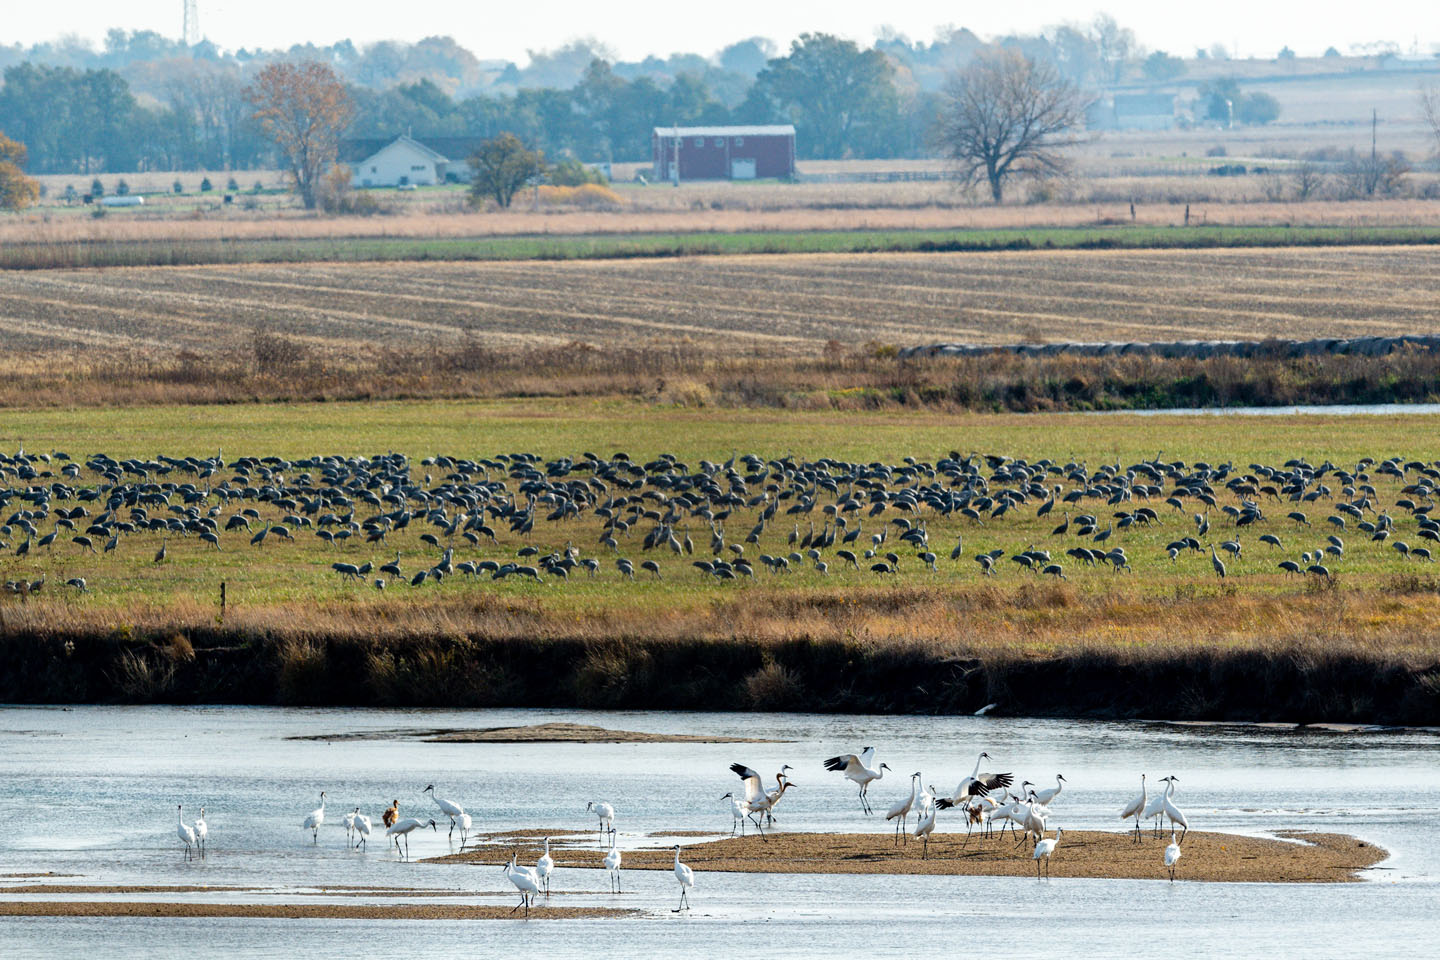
(773,130)
(436,149)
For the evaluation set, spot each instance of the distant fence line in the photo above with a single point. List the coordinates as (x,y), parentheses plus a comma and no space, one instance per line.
(1359,346)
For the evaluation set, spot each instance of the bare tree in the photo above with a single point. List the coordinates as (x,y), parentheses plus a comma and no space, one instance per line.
(1307,178)
(1430,109)
(1007,116)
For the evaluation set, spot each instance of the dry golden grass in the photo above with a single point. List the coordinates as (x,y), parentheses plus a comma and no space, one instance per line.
(720,208)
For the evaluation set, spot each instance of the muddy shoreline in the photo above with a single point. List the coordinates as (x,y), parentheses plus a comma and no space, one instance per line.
(529,733)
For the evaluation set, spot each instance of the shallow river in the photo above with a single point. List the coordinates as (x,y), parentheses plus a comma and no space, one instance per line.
(92,791)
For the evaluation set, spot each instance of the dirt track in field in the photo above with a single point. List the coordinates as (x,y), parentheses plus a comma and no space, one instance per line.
(774,304)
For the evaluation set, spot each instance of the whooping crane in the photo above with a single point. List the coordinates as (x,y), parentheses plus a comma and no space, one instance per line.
(1047,796)
(525,882)
(1172,854)
(976,785)
(782,783)
(686,876)
(859,770)
(362,830)
(1135,808)
(349,821)
(447,807)
(183,830)
(612,864)
(926,826)
(900,812)
(463,821)
(316,818)
(1172,812)
(544,866)
(1155,809)
(1044,850)
(403,828)
(202,830)
(756,799)
(739,809)
(606,814)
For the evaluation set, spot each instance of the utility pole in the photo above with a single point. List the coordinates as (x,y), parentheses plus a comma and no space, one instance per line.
(191,25)
(1374,119)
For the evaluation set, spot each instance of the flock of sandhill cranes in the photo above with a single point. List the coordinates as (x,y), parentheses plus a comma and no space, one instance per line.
(823,515)
(983,799)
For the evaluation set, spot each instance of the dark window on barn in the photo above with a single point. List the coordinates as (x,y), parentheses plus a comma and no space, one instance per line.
(739,141)
(719,142)
(699,141)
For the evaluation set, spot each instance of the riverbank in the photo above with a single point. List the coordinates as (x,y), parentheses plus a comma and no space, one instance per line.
(1207,857)
(1288,660)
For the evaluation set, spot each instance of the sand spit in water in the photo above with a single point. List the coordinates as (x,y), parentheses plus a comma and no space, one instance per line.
(532,733)
(298,911)
(1210,857)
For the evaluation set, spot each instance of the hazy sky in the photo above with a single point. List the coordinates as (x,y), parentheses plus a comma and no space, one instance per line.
(507,30)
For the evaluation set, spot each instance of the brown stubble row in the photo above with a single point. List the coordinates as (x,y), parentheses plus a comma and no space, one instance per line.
(792,304)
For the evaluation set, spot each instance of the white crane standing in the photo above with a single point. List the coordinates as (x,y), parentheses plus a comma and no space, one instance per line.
(1135,808)
(449,808)
(612,865)
(1172,854)
(1044,850)
(859,770)
(362,830)
(606,813)
(1048,795)
(544,866)
(686,876)
(403,828)
(202,831)
(925,827)
(739,810)
(184,831)
(315,820)
(900,812)
(525,882)
(1155,809)
(1173,813)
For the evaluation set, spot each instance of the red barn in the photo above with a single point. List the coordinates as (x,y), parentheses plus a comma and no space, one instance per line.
(723,153)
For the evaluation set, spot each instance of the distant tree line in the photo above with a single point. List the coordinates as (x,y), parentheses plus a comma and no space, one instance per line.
(145,102)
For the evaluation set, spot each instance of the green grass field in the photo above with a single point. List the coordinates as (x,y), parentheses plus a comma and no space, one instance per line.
(278,572)
(619,246)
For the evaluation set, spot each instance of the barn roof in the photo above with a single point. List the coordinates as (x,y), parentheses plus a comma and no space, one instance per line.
(772,130)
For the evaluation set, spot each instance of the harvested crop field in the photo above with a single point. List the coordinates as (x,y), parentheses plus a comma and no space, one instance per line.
(789,304)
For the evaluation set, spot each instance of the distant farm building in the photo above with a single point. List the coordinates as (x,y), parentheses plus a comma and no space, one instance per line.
(406,161)
(723,153)
(1133,111)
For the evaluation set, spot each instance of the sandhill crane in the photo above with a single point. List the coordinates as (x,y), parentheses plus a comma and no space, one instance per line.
(1172,854)
(202,831)
(976,785)
(900,811)
(1044,850)
(185,832)
(391,814)
(403,828)
(858,770)
(1217,564)
(1135,807)
(612,865)
(525,882)
(447,807)
(160,554)
(686,877)
(544,866)
(606,814)
(78,583)
(315,820)
(757,800)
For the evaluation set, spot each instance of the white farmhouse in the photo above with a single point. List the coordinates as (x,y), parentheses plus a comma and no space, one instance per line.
(401,162)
